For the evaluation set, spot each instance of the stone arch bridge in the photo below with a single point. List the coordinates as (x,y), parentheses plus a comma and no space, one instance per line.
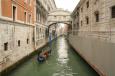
(59,16)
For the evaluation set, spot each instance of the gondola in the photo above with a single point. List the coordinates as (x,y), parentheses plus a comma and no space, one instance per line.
(43,56)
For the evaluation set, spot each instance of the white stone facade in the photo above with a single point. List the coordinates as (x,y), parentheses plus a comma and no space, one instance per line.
(11,33)
(42,9)
(104,28)
(94,38)
(18,39)
(59,16)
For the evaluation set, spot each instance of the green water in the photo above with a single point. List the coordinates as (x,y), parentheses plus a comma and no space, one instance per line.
(63,62)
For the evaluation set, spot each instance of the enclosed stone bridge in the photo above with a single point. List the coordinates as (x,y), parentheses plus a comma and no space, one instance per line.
(59,16)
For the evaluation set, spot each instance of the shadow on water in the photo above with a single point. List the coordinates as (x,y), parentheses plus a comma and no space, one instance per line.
(64,61)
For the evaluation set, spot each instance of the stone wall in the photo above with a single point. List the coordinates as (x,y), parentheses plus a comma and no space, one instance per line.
(104,29)
(40,35)
(11,33)
(98,53)
(95,41)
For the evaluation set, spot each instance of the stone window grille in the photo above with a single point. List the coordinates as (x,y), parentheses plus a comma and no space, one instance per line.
(81,23)
(87,20)
(6,46)
(87,4)
(27,41)
(18,42)
(82,9)
(113,12)
(97,16)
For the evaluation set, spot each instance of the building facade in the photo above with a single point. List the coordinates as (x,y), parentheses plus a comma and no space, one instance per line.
(56,17)
(22,28)
(16,30)
(93,31)
(95,17)
(43,7)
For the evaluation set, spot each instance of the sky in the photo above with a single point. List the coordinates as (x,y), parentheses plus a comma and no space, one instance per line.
(67,4)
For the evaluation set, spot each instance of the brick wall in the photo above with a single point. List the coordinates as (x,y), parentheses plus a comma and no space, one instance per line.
(21,7)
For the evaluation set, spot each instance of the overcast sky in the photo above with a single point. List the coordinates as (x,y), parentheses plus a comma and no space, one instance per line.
(67,4)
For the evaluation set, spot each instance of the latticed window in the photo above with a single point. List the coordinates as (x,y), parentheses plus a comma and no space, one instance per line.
(113,12)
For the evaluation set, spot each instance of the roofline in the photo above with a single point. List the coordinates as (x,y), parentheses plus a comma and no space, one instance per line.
(78,6)
(60,10)
(54,3)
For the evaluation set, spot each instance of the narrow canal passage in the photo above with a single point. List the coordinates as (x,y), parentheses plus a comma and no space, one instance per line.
(63,62)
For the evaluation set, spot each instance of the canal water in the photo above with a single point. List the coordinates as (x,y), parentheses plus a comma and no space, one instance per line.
(62,62)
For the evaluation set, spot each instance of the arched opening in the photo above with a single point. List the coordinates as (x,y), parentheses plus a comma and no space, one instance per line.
(58,28)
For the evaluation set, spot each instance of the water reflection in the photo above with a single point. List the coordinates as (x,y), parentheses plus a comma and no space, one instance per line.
(62,62)
(62,50)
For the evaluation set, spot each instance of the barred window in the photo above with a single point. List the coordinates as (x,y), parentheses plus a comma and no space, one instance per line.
(87,20)
(113,12)
(82,9)
(87,4)
(81,23)
(18,42)
(6,46)
(97,16)
(27,41)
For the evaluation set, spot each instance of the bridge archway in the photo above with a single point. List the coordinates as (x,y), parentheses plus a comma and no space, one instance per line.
(59,16)
(56,25)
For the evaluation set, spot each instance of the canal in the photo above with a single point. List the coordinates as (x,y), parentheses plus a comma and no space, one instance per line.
(62,62)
